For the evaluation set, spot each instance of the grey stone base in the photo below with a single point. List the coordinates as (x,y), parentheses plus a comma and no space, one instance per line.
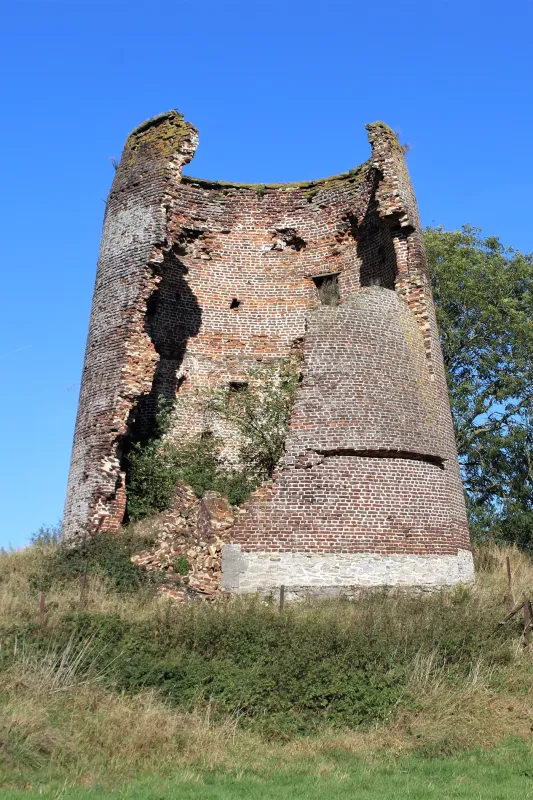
(331,574)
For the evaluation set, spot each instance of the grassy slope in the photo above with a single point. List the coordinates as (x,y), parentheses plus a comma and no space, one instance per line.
(503,774)
(62,727)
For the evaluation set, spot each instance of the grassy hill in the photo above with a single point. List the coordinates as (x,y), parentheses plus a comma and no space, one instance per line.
(114,686)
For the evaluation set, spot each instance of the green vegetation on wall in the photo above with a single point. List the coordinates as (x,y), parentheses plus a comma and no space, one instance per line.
(258,415)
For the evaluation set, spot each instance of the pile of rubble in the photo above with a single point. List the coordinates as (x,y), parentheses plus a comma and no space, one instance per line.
(187,551)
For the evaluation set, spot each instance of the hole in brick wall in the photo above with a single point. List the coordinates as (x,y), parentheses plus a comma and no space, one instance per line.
(287,237)
(238,386)
(328,289)
(185,239)
(235,303)
(177,297)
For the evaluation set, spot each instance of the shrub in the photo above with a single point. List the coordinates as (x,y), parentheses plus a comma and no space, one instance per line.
(107,555)
(156,467)
(47,534)
(182,565)
(338,663)
(259,415)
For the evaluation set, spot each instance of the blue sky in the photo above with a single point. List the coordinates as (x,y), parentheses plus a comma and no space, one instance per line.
(280,91)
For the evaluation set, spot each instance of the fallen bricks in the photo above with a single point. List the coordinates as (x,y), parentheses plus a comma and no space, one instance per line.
(187,551)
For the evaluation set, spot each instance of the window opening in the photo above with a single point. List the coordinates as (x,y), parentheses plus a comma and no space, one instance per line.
(238,386)
(235,388)
(328,289)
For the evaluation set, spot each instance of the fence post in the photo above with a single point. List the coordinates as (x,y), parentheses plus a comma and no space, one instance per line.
(527,622)
(83,589)
(42,608)
(281,597)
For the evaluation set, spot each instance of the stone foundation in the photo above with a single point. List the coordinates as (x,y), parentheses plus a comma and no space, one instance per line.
(340,573)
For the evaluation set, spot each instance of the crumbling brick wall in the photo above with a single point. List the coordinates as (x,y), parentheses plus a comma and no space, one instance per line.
(199,281)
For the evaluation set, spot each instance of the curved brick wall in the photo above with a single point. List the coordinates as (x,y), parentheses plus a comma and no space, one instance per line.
(370,463)
(198,281)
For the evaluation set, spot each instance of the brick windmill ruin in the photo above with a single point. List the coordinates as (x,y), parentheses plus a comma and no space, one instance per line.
(198,278)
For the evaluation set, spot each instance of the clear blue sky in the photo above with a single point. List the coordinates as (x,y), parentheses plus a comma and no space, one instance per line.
(280,91)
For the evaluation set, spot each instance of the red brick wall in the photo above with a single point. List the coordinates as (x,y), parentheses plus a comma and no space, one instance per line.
(371,463)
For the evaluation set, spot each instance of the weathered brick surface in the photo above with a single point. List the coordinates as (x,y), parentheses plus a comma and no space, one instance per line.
(199,281)
(120,358)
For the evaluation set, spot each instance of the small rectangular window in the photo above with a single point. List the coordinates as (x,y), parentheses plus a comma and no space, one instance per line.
(236,388)
(327,287)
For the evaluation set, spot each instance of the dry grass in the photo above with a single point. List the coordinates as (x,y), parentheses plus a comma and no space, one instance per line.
(19,602)
(53,719)
(85,729)
(491,564)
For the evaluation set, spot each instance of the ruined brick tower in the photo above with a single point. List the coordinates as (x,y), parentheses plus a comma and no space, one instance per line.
(199,280)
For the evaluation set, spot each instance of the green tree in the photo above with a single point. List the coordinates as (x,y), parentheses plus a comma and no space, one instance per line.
(484,302)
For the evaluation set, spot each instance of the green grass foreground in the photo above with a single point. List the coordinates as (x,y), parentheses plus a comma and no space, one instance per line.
(505,773)
(115,692)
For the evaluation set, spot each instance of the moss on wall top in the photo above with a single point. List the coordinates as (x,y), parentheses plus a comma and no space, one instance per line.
(163,133)
(378,129)
(354,176)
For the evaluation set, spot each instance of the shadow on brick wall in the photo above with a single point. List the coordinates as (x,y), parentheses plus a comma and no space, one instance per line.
(173,316)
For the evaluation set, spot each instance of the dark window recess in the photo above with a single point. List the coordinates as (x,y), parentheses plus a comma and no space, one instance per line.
(235,303)
(235,388)
(327,287)
(177,297)
(238,386)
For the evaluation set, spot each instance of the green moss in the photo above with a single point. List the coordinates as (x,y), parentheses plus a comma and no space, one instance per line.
(162,133)
(310,188)
(381,128)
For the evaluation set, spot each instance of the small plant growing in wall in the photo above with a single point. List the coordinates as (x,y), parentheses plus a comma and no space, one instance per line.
(259,413)
(257,410)
(181,565)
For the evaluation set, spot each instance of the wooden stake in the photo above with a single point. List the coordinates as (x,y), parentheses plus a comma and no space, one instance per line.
(83,590)
(527,622)
(509,572)
(42,608)
(281,597)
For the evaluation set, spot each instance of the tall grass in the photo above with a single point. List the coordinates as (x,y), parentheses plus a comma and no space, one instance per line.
(126,683)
